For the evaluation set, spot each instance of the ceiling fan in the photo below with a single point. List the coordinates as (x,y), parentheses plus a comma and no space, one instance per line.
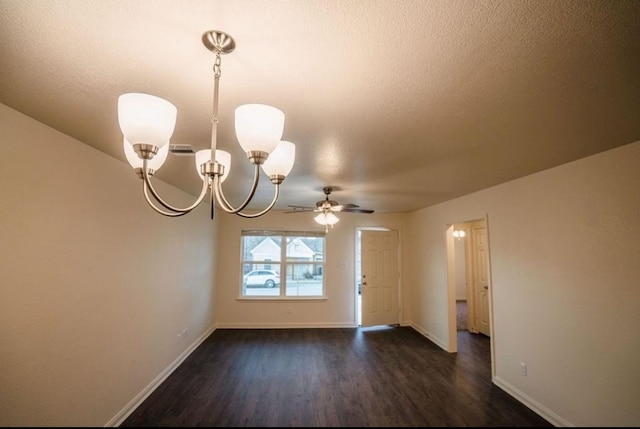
(327,208)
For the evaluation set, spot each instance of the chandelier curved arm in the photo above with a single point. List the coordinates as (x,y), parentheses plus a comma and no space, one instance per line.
(149,187)
(153,206)
(254,215)
(222,200)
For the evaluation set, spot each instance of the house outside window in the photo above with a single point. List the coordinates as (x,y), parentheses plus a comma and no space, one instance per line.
(282,264)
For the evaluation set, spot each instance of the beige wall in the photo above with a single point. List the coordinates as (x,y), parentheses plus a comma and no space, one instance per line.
(565,252)
(338,310)
(94,286)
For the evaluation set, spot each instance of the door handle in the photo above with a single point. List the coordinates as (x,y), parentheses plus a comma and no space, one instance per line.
(485,287)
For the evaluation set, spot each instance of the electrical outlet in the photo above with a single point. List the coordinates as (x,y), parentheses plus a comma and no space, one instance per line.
(523,369)
(289,310)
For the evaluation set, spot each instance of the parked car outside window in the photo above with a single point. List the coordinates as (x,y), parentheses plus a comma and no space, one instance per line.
(261,278)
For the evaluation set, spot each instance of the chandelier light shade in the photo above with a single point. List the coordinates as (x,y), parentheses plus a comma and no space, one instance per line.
(259,127)
(280,161)
(147,123)
(146,118)
(136,162)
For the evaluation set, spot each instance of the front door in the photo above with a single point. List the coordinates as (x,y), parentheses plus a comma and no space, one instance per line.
(379,277)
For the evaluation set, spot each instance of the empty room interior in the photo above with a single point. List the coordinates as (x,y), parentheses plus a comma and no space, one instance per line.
(182,179)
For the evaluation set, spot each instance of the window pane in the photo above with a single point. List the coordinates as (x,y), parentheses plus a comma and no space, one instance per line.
(305,249)
(260,282)
(261,248)
(304,280)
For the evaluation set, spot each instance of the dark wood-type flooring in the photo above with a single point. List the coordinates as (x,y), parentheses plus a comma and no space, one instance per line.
(461,315)
(387,376)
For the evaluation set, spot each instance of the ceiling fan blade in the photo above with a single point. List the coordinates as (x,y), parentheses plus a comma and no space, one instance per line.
(300,209)
(343,207)
(356,210)
(328,205)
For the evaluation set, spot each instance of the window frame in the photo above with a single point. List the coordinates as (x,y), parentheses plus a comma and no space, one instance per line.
(284,265)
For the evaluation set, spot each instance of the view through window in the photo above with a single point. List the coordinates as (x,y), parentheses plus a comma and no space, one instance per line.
(285,264)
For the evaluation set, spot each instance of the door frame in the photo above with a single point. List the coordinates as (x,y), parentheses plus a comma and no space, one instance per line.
(451,286)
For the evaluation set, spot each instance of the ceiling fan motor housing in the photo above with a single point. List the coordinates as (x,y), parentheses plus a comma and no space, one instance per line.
(328,205)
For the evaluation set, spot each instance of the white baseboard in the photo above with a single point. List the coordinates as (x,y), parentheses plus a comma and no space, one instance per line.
(117,420)
(434,339)
(531,403)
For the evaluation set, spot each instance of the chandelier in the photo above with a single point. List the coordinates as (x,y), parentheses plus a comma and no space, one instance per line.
(147,123)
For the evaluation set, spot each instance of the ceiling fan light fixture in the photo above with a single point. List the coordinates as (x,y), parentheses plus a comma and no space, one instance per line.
(147,123)
(458,233)
(327,218)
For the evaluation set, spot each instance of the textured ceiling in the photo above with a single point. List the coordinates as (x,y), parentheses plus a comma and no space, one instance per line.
(398,104)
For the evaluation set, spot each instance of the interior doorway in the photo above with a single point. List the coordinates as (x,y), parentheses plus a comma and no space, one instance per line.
(461,234)
(468,280)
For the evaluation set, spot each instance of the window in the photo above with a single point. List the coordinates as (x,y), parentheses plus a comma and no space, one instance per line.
(282,264)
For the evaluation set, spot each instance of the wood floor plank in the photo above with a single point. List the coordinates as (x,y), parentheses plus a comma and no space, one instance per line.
(334,377)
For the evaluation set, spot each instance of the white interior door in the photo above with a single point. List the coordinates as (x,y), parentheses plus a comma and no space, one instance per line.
(379,276)
(480,276)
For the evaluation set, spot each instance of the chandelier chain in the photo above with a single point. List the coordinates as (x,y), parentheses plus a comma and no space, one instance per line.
(216,66)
